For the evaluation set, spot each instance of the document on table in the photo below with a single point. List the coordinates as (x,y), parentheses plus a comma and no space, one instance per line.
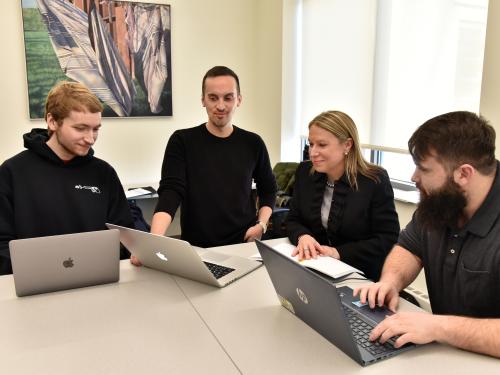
(132,193)
(327,265)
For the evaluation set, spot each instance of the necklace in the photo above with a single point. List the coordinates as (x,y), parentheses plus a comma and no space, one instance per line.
(330,184)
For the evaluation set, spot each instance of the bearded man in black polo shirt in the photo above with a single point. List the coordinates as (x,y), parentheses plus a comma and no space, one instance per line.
(454,235)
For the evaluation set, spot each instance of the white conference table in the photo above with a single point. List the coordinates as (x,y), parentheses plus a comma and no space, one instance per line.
(142,325)
(151,322)
(264,338)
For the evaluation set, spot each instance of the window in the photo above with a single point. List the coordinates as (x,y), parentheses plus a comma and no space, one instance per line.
(391,65)
(428,61)
(400,167)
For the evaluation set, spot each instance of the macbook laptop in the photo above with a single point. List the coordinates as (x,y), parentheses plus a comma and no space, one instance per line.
(52,263)
(178,257)
(332,312)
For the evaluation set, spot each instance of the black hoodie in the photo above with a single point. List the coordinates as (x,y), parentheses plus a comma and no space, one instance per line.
(41,195)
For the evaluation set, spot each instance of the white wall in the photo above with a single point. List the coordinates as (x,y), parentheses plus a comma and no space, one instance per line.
(242,34)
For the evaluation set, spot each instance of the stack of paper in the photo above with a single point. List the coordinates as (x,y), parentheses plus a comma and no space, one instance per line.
(327,265)
(132,193)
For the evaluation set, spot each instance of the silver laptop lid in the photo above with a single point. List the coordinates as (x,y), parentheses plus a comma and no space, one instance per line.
(179,258)
(52,263)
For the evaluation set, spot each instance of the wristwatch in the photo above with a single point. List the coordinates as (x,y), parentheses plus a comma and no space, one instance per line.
(263,225)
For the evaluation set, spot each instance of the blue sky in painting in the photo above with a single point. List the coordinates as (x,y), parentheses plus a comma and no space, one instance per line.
(29,3)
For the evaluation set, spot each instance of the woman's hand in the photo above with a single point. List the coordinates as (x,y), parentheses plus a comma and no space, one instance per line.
(330,252)
(307,248)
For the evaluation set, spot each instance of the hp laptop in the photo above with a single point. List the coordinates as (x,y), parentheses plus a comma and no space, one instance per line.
(52,263)
(332,312)
(178,257)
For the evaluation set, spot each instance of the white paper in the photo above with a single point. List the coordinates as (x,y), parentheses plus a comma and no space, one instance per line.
(328,265)
(136,192)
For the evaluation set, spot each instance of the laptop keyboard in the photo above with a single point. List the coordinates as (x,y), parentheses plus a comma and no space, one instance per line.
(217,270)
(361,331)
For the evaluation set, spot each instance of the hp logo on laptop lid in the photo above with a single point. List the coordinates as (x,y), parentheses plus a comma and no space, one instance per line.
(302,295)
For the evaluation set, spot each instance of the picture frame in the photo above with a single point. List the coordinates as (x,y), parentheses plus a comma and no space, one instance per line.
(120,50)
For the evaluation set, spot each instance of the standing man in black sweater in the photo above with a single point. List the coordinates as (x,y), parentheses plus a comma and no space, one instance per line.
(208,170)
(57,186)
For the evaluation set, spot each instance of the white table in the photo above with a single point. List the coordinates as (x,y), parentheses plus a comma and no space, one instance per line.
(264,338)
(142,325)
(153,323)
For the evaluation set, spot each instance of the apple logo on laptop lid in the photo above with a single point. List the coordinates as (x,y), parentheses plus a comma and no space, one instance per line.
(162,256)
(68,263)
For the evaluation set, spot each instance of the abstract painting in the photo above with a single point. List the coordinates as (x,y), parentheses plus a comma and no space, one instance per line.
(120,50)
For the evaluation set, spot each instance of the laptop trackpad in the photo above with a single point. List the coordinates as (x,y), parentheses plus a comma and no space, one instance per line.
(376,315)
(214,257)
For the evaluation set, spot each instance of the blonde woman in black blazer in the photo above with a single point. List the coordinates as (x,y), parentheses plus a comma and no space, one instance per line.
(342,206)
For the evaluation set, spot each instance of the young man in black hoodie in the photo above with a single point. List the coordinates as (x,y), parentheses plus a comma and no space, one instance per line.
(57,186)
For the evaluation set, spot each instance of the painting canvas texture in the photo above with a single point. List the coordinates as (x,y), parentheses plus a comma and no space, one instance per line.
(119,50)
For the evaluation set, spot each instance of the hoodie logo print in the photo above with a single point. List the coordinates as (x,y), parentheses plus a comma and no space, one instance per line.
(93,189)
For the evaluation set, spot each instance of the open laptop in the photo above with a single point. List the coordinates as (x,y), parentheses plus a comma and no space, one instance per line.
(332,312)
(52,263)
(178,257)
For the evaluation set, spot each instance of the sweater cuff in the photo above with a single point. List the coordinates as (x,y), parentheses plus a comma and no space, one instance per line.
(268,200)
(168,201)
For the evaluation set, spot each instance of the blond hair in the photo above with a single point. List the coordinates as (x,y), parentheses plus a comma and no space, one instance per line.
(67,96)
(343,127)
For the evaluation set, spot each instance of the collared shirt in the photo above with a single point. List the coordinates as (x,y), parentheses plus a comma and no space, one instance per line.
(326,205)
(462,266)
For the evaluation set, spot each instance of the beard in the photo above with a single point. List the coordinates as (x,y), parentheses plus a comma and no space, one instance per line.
(441,208)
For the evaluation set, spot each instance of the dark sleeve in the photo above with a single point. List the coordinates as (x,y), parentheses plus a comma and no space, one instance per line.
(118,208)
(173,176)
(369,254)
(294,223)
(264,178)
(7,230)
(410,237)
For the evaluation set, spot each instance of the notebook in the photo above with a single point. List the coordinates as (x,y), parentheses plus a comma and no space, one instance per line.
(52,263)
(179,258)
(332,312)
(327,265)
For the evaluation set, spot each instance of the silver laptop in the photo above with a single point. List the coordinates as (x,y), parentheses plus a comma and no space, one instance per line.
(332,312)
(178,257)
(52,263)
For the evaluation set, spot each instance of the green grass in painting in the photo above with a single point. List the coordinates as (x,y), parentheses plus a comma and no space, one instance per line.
(32,20)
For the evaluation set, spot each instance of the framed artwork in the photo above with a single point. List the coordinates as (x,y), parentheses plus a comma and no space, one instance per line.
(120,50)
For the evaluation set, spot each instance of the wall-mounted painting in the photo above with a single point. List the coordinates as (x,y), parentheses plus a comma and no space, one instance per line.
(119,50)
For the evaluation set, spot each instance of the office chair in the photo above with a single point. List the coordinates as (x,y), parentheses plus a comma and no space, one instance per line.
(284,172)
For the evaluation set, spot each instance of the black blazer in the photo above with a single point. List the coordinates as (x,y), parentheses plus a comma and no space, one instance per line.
(363,225)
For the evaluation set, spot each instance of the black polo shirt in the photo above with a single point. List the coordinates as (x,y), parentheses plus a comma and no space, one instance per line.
(462,266)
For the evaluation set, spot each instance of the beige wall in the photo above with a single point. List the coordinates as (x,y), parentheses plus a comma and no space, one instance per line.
(405,212)
(490,89)
(242,34)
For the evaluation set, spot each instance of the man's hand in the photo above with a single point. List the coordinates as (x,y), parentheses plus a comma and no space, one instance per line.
(379,294)
(135,261)
(415,327)
(253,233)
